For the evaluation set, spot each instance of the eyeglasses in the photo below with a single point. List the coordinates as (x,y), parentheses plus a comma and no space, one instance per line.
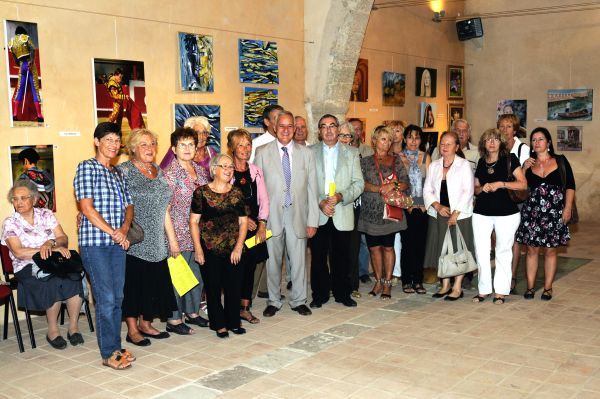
(492,140)
(23,198)
(183,146)
(112,141)
(225,167)
(325,127)
(345,136)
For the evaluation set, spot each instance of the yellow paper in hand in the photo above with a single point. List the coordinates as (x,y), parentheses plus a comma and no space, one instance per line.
(250,242)
(331,189)
(182,276)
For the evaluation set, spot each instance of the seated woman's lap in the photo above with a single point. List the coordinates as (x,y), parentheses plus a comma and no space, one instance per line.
(39,295)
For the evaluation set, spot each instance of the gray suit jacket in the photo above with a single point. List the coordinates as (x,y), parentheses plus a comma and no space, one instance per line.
(348,181)
(305,206)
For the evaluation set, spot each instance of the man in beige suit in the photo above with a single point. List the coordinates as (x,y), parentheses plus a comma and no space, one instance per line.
(289,173)
(339,183)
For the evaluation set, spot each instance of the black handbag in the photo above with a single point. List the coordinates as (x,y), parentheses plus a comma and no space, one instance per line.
(59,266)
(516,196)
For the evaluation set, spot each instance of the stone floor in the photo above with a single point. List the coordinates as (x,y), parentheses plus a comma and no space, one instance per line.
(409,347)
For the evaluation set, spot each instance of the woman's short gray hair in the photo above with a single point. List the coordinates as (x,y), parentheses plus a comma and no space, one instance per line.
(214,161)
(24,183)
(194,121)
(349,126)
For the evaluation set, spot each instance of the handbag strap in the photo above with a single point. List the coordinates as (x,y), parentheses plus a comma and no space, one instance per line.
(379,170)
(447,246)
(461,245)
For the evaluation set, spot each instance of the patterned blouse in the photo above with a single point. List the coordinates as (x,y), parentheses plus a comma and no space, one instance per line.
(182,185)
(219,224)
(44,223)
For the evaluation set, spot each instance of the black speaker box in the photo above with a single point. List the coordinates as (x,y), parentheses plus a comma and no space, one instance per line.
(469,29)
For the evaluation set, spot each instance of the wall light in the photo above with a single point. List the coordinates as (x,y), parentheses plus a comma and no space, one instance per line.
(435,5)
(437,16)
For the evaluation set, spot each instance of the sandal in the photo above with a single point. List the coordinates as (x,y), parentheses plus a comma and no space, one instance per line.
(478,298)
(387,286)
(498,300)
(546,295)
(179,329)
(408,289)
(375,291)
(419,289)
(117,361)
(128,355)
(529,294)
(250,318)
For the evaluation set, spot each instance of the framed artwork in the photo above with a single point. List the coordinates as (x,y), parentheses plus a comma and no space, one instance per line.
(258,62)
(569,138)
(196,62)
(515,107)
(394,85)
(570,104)
(120,94)
(455,88)
(211,112)
(429,142)
(426,82)
(255,101)
(24,73)
(360,84)
(455,111)
(36,163)
(427,115)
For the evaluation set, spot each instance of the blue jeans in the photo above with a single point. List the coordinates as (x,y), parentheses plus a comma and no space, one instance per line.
(106,267)
(363,257)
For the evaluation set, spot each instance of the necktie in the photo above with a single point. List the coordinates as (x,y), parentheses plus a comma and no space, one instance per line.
(287,175)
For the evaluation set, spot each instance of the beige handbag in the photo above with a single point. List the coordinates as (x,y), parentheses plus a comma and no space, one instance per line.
(456,263)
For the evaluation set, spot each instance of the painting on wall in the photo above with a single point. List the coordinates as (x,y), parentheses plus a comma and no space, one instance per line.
(360,85)
(515,107)
(36,163)
(427,115)
(210,112)
(196,62)
(455,111)
(24,73)
(570,104)
(258,62)
(255,101)
(569,138)
(429,142)
(120,94)
(426,82)
(394,85)
(455,76)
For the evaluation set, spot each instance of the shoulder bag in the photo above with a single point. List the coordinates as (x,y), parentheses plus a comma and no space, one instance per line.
(394,200)
(517,196)
(452,263)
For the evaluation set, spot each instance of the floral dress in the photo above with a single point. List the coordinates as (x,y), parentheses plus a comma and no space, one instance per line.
(541,216)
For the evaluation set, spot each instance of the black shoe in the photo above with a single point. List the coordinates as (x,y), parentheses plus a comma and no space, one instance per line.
(289,285)
(239,330)
(302,310)
(440,294)
(529,294)
(546,295)
(365,279)
(198,321)
(454,298)
(179,329)
(262,294)
(315,304)
(141,342)
(75,339)
(270,311)
(57,343)
(160,335)
(222,334)
(349,302)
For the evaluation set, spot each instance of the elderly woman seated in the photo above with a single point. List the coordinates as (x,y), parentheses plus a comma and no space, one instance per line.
(26,232)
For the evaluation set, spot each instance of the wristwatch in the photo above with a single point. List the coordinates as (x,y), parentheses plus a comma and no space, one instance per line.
(53,242)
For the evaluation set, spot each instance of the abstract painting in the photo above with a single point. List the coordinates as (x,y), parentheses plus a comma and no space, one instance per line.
(569,138)
(394,85)
(570,104)
(360,85)
(515,107)
(211,112)
(120,94)
(258,62)
(255,101)
(427,115)
(455,76)
(426,82)
(24,73)
(196,62)
(36,163)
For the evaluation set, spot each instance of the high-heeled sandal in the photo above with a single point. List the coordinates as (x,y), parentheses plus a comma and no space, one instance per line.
(249,317)
(387,284)
(374,291)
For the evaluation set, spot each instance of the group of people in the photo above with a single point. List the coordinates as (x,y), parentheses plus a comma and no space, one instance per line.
(280,196)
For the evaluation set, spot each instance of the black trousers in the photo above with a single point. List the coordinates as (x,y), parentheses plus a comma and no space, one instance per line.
(221,275)
(330,244)
(248,266)
(413,239)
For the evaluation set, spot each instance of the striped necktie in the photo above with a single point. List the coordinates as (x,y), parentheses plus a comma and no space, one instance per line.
(287,175)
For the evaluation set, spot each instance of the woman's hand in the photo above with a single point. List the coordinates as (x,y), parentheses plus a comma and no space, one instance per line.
(236,255)
(261,234)
(566,215)
(442,210)
(174,250)
(251,224)
(46,249)
(386,188)
(63,251)
(453,219)
(529,162)
(199,257)
(491,187)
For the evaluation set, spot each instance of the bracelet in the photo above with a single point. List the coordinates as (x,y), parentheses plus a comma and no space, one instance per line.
(262,221)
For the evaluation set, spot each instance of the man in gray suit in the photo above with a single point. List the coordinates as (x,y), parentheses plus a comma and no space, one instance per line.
(289,173)
(339,182)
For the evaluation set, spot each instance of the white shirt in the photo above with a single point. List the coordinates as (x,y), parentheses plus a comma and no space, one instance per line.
(259,141)
(330,157)
(524,150)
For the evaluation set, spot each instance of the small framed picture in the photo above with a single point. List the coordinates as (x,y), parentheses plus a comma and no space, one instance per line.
(456,82)
(455,111)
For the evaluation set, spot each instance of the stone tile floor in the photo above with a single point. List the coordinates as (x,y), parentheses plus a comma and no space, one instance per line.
(409,347)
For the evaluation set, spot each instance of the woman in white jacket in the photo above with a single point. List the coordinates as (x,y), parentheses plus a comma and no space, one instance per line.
(448,195)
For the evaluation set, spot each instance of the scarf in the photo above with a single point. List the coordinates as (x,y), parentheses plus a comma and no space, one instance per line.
(414,173)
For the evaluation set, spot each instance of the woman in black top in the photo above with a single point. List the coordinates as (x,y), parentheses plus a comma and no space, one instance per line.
(497,172)
(547,211)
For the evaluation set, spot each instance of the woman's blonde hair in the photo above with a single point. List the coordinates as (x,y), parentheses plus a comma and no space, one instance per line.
(234,137)
(136,135)
(381,130)
(492,134)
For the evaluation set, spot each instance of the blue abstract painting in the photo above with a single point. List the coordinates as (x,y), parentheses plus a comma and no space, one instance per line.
(211,112)
(255,101)
(196,62)
(258,62)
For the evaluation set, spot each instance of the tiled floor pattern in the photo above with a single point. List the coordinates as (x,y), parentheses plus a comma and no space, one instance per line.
(409,347)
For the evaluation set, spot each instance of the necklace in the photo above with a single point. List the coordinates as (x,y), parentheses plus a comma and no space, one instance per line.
(446,167)
(141,165)
(490,167)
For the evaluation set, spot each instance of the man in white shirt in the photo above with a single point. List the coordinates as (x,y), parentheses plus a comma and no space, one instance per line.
(463,129)
(270,114)
(301,132)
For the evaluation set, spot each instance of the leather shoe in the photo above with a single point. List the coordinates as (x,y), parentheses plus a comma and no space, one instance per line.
(365,279)
(349,302)
(75,339)
(262,294)
(270,311)
(160,335)
(302,310)
(57,343)
(239,330)
(315,304)
(198,320)
(141,342)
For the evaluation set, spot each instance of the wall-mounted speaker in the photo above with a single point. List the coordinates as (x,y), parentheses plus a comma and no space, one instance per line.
(469,29)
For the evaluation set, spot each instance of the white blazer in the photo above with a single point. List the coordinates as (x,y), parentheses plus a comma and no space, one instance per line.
(460,183)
